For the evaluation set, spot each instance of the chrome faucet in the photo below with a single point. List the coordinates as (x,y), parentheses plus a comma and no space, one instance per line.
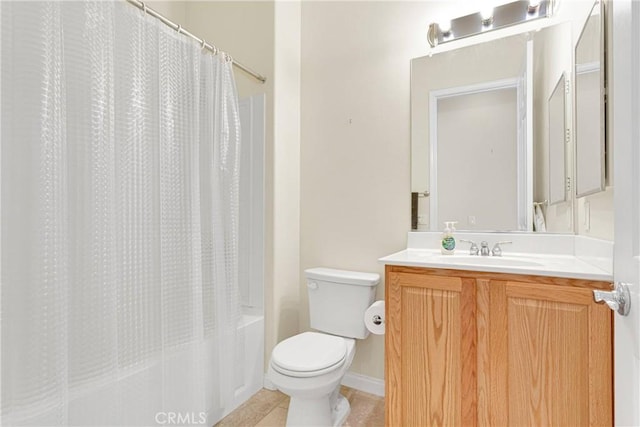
(484,248)
(473,249)
(497,250)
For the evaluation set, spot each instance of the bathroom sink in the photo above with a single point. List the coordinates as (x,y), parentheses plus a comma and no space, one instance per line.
(504,261)
(541,264)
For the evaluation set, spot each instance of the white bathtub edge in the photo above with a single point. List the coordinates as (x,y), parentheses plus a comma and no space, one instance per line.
(250,361)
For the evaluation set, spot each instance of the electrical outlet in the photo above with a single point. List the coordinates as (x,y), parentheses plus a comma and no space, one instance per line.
(587,216)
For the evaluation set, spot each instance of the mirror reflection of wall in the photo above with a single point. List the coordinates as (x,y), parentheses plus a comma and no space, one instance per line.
(589,132)
(595,216)
(558,141)
(594,158)
(482,158)
(552,59)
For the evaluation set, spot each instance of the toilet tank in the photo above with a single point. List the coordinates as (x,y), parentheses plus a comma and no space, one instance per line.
(338,300)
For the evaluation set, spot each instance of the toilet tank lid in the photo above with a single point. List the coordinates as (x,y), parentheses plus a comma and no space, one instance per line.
(343,276)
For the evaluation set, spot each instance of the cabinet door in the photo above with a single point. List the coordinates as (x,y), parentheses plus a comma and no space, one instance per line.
(550,355)
(430,350)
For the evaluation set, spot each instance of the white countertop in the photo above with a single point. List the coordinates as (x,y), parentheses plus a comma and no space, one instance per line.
(540,265)
(554,265)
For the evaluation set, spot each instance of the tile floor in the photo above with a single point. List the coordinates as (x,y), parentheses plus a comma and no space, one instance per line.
(269,409)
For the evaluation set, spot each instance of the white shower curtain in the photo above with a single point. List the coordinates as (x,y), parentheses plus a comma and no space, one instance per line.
(119,202)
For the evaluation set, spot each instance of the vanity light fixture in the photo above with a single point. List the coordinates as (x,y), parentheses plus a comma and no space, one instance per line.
(489,19)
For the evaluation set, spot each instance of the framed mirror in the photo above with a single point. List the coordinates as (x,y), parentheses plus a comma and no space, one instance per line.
(490,173)
(558,143)
(590,105)
(479,131)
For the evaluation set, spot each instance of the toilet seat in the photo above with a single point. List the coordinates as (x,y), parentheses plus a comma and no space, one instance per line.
(309,354)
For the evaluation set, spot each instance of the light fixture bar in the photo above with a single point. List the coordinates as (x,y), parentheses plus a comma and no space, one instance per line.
(503,16)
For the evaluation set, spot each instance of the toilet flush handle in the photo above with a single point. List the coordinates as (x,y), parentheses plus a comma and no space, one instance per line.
(312,285)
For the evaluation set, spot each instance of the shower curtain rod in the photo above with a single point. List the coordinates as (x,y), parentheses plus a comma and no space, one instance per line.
(141,5)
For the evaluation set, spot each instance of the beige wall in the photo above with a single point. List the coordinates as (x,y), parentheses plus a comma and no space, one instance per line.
(283,313)
(595,215)
(352,160)
(246,31)
(174,10)
(355,160)
(355,155)
(266,37)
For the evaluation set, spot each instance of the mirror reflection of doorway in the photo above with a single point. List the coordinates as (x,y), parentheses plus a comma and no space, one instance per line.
(475,156)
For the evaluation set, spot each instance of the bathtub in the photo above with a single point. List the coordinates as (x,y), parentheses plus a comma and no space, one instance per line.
(92,402)
(249,374)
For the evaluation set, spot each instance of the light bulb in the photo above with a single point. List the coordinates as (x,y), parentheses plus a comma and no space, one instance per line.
(445,26)
(486,13)
(534,5)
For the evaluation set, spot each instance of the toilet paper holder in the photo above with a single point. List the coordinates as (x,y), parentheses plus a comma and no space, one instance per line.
(374,318)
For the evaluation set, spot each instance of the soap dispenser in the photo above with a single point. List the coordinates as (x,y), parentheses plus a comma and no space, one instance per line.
(448,241)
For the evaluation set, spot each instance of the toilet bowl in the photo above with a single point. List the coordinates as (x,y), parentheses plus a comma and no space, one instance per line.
(309,367)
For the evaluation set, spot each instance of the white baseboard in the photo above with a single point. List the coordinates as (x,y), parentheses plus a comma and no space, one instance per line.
(364,383)
(351,379)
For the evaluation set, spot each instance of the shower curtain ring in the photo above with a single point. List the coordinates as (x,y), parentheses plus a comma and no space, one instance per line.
(179,29)
(144,7)
(204,44)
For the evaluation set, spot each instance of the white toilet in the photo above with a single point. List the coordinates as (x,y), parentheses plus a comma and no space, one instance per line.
(309,366)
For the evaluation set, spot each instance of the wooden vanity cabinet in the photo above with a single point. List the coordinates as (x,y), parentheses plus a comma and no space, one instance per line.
(473,348)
